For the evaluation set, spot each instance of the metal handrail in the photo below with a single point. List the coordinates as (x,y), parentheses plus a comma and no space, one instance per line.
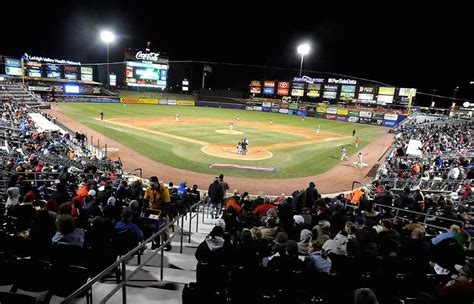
(122,261)
(419,213)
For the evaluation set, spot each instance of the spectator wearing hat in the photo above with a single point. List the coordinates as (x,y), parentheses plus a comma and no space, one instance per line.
(305,239)
(321,231)
(157,196)
(212,250)
(460,290)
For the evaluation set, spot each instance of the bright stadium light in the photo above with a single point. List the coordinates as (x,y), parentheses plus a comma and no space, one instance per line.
(303,49)
(107,37)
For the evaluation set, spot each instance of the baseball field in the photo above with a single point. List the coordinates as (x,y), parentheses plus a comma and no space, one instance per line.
(280,146)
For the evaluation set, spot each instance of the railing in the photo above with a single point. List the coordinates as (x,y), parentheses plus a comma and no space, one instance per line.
(425,215)
(35,179)
(122,262)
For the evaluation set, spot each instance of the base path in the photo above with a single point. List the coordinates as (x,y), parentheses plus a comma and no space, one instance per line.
(337,179)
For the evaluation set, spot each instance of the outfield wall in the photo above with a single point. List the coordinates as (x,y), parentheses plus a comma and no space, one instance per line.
(331,112)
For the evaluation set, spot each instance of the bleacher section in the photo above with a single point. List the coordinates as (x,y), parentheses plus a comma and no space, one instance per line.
(19,93)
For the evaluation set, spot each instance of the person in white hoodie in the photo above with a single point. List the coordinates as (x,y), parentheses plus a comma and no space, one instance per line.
(211,250)
(338,245)
(12,200)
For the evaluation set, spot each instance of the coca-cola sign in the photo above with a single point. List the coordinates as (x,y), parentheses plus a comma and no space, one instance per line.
(147,56)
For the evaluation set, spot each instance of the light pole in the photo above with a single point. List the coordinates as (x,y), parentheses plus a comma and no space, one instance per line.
(107,37)
(303,49)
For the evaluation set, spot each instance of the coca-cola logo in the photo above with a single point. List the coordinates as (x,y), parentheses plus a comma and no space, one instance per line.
(147,56)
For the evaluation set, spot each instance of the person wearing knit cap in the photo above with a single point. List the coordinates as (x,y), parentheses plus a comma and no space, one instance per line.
(298,219)
(111,201)
(305,238)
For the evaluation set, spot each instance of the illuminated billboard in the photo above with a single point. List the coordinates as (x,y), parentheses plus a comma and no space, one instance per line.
(53,71)
(329,95)
(297,92)
(146,74)
(283,88)
(86,73)
(383,99)
(348,88)
(13,67)
(34,69)
(387,91)
(71,89)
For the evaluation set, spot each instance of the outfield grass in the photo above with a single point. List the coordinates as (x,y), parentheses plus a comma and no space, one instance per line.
(299,161)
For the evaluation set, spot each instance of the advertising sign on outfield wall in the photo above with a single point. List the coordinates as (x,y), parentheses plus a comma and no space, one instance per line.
(390,116)
(283,111)
(163,102)
(353,119)
(331,116)
(257,108)
(341,118)
(267,104)
(365,114)
(389,123)
(342,112)
(354,113)
(293,106)
(321,109)
(378,121)
(185,103)
(331,110)
(139,100)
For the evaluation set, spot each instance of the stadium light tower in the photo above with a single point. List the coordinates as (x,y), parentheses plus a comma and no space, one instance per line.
(303,49)
(107,37)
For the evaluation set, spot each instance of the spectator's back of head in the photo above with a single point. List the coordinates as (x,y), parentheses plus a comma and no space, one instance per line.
(417,234)
(126,215)
(365,296)
(65,224)
(65,208)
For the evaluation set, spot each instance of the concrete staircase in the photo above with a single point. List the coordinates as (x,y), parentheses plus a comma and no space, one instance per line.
(178,269)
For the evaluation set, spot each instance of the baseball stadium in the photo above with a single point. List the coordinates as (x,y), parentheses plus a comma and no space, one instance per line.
(144,179)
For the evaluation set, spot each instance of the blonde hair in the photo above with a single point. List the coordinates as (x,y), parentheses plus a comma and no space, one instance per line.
(455,228)
(256,233)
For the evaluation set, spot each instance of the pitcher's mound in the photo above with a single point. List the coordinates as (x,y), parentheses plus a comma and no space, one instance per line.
(233,132)
(230,152)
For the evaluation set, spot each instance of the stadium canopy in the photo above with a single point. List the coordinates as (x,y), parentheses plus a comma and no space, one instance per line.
(414,146)
(43,124)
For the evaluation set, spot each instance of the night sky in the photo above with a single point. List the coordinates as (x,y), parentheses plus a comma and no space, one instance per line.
(427,48)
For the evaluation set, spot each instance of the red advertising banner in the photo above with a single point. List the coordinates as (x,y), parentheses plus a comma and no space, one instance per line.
(283,92)
(269,83)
